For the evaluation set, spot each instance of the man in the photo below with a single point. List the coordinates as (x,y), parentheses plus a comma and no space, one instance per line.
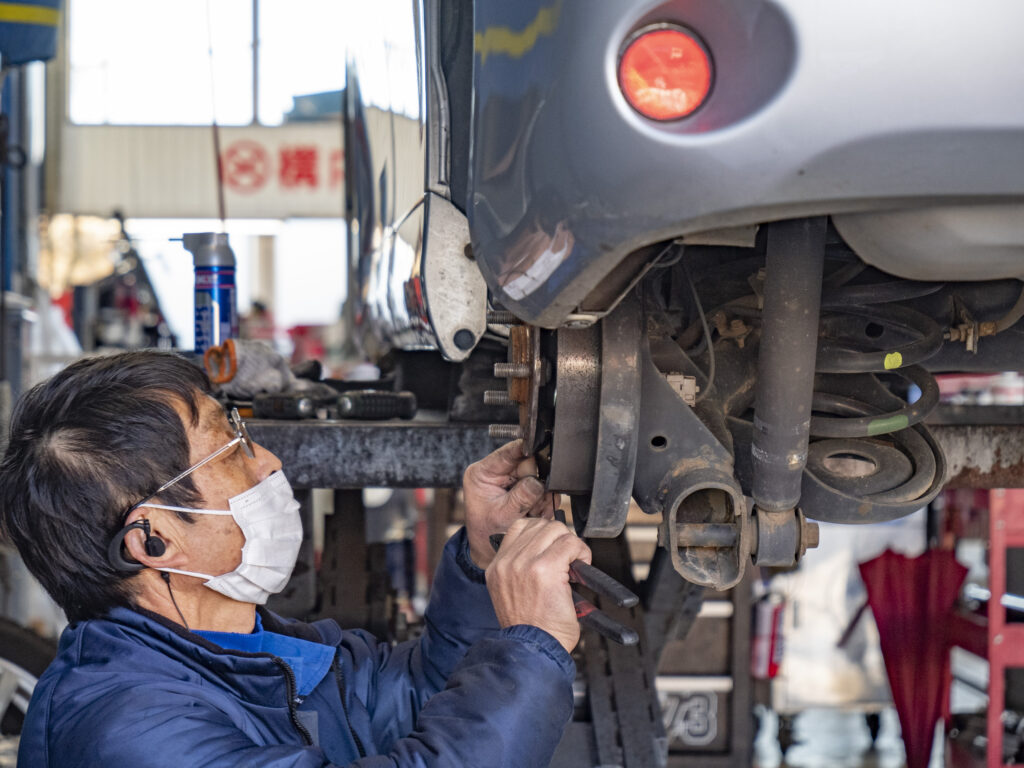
(159,526)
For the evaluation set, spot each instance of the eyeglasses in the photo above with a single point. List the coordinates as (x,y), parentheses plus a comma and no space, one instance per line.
(241,436)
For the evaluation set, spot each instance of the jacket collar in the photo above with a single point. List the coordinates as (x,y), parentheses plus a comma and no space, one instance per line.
(135,633)
(323,631)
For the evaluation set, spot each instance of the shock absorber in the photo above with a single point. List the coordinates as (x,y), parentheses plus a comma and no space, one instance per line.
(785,388)
(830,431)
(785,370)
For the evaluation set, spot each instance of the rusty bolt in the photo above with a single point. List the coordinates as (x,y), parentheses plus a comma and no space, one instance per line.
(497,397)
(511,370)
(505,431)
(501,317)
(809,536)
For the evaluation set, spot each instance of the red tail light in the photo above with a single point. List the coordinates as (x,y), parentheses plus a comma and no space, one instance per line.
(665,72)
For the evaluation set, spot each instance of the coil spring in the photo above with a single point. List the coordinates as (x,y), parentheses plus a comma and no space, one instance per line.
(856,416)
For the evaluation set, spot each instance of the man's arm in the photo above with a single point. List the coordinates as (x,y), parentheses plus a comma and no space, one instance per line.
(389,685)
(507,702)
(481,719)
(504,705)
(499,490)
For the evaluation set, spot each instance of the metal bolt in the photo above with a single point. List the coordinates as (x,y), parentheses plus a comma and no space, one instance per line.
(497,397)
(502,317)
(809,535)
(511,370)
(812,537)
(505,431)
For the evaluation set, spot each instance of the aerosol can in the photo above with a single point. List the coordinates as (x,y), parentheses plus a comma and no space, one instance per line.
(216,297)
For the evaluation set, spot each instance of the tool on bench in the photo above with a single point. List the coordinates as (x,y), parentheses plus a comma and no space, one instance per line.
(284,405)
(588,614)
(376,404)
(221,362)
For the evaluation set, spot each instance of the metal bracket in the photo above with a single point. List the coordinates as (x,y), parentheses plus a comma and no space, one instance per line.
(685,473)
(456,294)
(965,329)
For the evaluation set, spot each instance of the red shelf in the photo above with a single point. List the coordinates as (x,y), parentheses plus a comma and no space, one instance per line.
(1005,641)
(1012,645)
(992,637)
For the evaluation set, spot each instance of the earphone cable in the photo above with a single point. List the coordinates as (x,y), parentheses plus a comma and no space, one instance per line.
(167,580)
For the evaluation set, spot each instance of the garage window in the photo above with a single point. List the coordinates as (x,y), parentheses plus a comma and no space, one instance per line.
(148,63)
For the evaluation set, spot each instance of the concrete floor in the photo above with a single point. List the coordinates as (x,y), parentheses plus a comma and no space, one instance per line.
(835,739)
(828,739)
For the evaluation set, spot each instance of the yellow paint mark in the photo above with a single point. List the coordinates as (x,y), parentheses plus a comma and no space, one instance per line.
(21,13)
(893,360)
(502,40)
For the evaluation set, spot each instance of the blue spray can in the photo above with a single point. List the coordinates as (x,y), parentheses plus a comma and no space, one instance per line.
(216,297)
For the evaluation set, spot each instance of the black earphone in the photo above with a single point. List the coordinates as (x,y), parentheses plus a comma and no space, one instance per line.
(154,546)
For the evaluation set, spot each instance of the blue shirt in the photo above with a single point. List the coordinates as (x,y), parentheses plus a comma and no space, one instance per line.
(310,662)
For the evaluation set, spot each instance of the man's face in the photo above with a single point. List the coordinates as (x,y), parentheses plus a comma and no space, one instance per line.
(214,542)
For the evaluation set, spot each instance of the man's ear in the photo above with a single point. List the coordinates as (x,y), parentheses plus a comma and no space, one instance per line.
(146,544)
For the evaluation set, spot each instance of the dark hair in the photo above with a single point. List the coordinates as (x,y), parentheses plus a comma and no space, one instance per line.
(85,445)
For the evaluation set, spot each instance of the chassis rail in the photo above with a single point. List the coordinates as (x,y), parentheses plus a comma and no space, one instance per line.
(425,454)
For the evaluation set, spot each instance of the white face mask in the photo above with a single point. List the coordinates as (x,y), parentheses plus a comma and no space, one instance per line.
(268,515)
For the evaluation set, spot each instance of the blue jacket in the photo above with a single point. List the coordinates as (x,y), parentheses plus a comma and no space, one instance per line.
(133,689)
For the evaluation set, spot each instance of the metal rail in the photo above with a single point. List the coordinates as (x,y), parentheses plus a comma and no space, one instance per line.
(392,454)
(425,454)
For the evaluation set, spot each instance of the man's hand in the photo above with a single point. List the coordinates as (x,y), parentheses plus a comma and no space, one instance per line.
(498,490)
(529,578)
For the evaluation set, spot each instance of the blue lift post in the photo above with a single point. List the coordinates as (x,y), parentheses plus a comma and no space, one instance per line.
(5,218)
(11,220)
(28,32)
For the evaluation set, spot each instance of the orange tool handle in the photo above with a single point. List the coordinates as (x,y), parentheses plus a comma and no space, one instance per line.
(221,362)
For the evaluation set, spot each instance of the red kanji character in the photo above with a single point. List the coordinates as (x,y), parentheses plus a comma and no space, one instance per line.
(337,167)
(298,166)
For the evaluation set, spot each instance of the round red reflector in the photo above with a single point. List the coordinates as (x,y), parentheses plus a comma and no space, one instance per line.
(665,73)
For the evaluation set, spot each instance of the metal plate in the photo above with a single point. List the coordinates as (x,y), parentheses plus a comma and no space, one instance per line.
(618,421)
(578,389)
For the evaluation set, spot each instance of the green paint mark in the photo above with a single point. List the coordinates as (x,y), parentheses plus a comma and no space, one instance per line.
(887,425)
(893,360)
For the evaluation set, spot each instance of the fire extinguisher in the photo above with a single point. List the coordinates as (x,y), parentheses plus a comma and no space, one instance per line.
(766,643)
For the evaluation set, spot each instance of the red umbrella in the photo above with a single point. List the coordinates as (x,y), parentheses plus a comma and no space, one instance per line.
(912,600)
